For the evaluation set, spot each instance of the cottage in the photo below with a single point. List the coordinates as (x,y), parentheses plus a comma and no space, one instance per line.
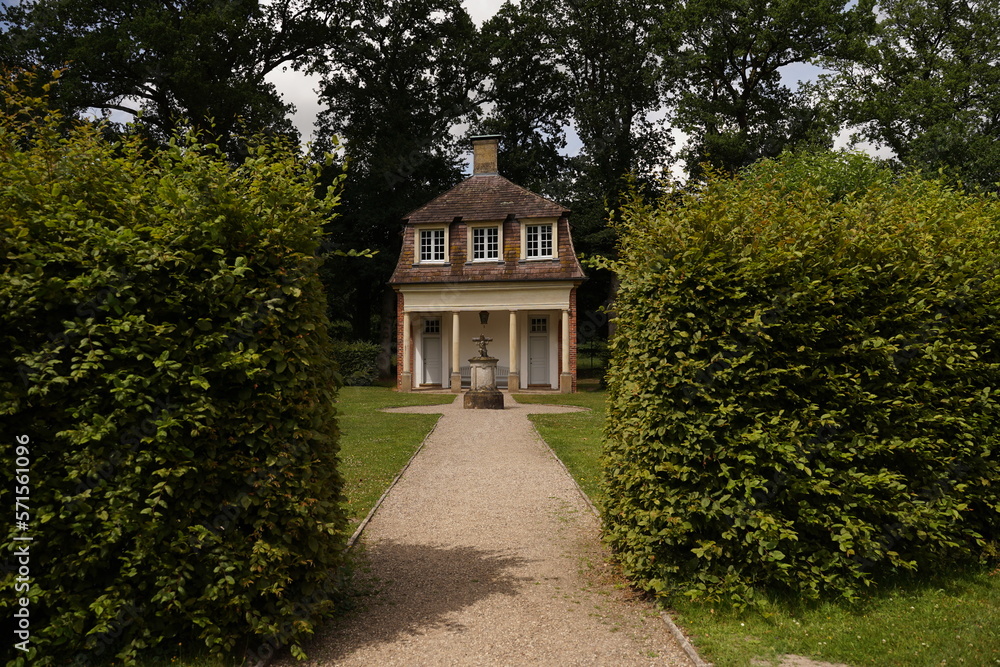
(487,246)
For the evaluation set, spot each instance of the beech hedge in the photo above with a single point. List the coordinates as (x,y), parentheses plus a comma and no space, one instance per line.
(804,378)
(168,376)
(358,362)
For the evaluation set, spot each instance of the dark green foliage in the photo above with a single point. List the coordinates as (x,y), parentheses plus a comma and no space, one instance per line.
(803,383)
(731,59)
(928,87)
(196,62)
(358,362)
(165,349)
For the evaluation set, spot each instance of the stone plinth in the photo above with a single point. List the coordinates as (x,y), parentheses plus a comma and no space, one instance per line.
(483,394)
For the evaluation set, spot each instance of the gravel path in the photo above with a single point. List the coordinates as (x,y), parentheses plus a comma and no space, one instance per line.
(485,553)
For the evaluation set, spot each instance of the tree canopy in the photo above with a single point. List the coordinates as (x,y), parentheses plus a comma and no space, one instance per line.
(928,87)
(591,97)
(729,58)
(176,62)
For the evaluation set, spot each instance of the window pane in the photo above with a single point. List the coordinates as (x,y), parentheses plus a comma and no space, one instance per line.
(431,245)
(439,245)
(485,243)
(539,241)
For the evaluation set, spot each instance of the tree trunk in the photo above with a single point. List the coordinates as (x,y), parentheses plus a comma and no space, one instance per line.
(387,333)
(610,304)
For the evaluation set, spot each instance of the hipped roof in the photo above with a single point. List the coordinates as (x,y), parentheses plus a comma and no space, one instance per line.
(486,197)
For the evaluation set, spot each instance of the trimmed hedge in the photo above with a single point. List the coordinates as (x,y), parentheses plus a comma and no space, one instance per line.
(166,353)
(803,390)
(358,362)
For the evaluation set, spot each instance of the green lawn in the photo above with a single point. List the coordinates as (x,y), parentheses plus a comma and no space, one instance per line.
(952,619)
(574,437)
(948,620)
(374,446)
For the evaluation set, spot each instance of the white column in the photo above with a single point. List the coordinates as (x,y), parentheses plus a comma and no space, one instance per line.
(406,378)
(456,362)
(514,374)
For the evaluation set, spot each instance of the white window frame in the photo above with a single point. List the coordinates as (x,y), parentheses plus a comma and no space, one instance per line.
(540,321)
(553,225)
(472,242)
(420,245)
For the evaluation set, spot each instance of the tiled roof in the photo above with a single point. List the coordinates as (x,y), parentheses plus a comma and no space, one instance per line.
(486,197)
(509,268)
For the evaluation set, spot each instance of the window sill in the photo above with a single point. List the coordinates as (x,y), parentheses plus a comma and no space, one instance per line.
(430,263)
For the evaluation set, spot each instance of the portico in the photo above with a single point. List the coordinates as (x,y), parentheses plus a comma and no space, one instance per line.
(530,329)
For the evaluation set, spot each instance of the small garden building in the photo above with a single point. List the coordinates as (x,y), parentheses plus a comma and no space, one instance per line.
(487,246)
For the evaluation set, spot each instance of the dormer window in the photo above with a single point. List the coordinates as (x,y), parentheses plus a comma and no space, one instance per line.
(538,241)
(433,244)
(485,243)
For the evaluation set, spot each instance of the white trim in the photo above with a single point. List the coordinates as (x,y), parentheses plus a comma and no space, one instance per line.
(418,249)
(470,246)
(525,223)
(522,296)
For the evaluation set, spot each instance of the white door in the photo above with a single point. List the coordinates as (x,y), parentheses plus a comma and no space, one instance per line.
(432,352)
(538,351)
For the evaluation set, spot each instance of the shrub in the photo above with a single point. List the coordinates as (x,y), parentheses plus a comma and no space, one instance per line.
(358,362)
(166,353)
(803,383)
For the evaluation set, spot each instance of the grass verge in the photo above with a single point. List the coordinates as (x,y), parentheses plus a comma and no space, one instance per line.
(374,446)
(574,437)
(941,620)
(951,619)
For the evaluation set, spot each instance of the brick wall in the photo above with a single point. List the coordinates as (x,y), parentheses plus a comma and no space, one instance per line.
(399,339)
(572,335)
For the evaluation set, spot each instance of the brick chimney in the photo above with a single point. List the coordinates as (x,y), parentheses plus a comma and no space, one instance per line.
(484,154)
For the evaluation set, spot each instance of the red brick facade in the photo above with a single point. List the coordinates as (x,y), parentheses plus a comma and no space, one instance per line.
(399,340)
(572,335)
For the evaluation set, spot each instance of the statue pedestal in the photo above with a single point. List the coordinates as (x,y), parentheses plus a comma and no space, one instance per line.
(483,394)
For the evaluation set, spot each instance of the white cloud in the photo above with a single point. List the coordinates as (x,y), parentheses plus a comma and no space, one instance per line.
(482,10)
(299,89)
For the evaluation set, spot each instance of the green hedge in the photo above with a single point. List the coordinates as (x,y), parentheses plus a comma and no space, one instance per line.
(803,390)
(166,353)
(358,361)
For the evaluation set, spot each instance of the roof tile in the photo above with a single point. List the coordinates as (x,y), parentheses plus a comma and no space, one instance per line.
(486,197)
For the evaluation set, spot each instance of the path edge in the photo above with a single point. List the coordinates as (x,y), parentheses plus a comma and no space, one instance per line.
(378,503)
(675,631)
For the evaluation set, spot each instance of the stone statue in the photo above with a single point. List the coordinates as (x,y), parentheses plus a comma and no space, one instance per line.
(483,393)
(482,341)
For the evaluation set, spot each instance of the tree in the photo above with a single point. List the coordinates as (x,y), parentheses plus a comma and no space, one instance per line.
(201,62)
(529,100)
(618,87)
(729,61)
(404,77)
(928,86)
